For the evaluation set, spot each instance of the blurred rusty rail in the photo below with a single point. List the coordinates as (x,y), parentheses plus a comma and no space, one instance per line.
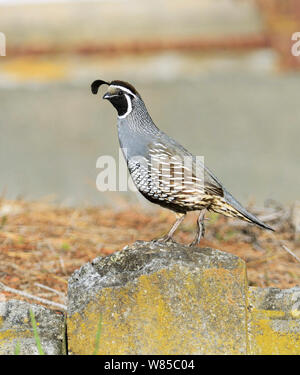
(244,42)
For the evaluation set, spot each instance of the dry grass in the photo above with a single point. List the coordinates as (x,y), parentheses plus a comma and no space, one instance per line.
(41,243)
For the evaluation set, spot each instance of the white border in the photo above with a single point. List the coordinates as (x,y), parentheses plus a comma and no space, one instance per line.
(124,89)
(129,106)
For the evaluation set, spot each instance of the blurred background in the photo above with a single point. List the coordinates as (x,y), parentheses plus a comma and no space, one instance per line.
(217,75)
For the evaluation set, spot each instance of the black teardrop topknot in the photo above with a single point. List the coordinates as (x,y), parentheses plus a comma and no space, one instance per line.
(96,84)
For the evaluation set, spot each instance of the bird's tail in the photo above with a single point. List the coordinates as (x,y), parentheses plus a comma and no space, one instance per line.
(235,209)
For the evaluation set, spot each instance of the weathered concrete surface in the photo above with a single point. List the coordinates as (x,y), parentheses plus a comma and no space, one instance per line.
(156,298)
(274,321)
(16,327)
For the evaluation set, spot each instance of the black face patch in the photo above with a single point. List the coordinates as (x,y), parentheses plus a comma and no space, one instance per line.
(120,103)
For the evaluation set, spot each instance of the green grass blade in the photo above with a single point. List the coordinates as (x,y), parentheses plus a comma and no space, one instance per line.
(98,334)
(17,348)
(35,332)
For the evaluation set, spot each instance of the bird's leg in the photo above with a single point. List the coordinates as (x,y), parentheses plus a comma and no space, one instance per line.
(200,228)
(168,237)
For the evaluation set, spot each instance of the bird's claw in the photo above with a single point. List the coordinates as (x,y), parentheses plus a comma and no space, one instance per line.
(164,239)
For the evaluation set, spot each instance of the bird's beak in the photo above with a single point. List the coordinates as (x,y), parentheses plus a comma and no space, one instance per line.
(106,96)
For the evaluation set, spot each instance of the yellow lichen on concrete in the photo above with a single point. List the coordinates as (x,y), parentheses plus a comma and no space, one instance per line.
(268,338)
(271,331)
(169,299)
(171,311)
(11,337)
(16,330)
(295,314)
(12,334)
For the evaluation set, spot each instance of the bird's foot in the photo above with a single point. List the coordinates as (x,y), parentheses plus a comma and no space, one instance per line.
(164,239)
(199,235)
(195,242)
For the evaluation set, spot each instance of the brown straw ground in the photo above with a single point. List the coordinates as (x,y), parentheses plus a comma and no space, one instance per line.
(42,244)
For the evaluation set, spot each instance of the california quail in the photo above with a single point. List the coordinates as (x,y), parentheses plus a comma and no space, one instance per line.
(163,170)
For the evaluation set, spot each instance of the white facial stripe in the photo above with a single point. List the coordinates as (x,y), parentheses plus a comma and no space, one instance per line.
(124,89)
(129,109)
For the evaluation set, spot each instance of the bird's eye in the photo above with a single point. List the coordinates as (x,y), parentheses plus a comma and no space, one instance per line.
(120,93)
